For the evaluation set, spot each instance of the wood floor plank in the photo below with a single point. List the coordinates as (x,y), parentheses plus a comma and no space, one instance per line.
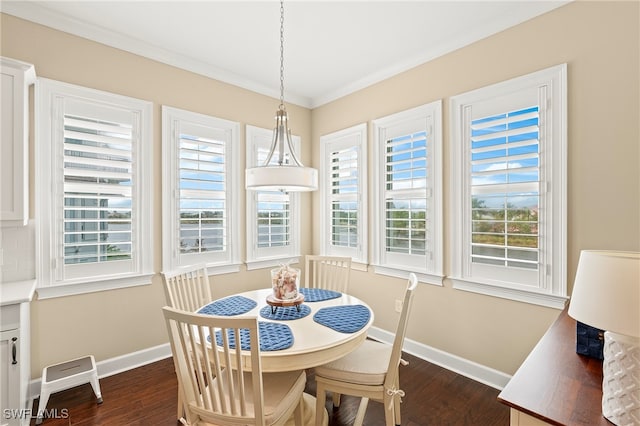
(148,396)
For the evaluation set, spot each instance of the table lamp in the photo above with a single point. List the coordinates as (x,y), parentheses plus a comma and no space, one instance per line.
(606,295)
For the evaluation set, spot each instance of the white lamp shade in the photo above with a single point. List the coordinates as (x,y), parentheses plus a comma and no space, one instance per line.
(281,178)
(606,291)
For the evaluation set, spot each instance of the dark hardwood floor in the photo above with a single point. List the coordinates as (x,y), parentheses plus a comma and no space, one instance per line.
(148,396)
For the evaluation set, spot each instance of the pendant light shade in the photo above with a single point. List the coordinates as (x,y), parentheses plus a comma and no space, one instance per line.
(282,170)
(282,178)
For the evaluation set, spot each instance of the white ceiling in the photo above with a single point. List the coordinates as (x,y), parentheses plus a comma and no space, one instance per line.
(332,48)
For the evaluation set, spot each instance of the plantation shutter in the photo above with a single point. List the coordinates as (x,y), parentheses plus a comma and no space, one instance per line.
(505,176)
(408,149)
(202,187)
(98,158)
(200,200)
(509,188)
(344,185)
(94,198)
(406,212)
(343,189)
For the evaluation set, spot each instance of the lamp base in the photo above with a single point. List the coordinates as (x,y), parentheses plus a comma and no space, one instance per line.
(621,379)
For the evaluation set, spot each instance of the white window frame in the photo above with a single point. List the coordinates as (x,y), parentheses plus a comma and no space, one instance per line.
(260,138)
(428,268)
(219,262)
(53,279)
(352,137)
(550,87)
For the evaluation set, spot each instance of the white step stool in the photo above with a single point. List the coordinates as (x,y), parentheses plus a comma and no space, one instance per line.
(67,375)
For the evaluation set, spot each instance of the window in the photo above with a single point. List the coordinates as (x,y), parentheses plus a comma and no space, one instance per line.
(509,189)
(273,225)
(408,197)
(199,179)
(94,189)
(343,185)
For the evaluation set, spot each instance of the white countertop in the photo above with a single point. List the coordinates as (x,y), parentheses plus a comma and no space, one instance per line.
(15,292)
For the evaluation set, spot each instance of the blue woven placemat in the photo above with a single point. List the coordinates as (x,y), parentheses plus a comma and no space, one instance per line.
(319,294)
(273,337)
(229,306)
(284,313)
(345,319)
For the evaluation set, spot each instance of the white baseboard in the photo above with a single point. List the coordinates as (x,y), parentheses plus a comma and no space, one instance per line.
(470,369)
(116,365)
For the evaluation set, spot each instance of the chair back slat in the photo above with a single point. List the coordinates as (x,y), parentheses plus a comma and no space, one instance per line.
(241,385)
(327,272)
(208,399)
(188,288)
(401,330)
(186,348)
(216,383)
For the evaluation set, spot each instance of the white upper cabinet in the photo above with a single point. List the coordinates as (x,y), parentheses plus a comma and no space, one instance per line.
(17,76)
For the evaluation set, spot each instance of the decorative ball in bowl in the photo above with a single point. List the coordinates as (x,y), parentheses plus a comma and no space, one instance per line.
(284,281)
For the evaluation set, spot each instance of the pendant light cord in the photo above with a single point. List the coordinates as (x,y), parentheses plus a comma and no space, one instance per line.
(282,55)
(269,176)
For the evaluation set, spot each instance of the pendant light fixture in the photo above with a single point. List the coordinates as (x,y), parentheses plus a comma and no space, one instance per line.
(282,170)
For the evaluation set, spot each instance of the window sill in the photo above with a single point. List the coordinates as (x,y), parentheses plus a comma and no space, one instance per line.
(271,263)
(359,266)
(403,273)
(63,290)
(223,269)
(542,299)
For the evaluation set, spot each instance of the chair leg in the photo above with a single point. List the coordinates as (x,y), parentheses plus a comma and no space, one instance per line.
(321,397)
(298,414)
(389,416)
(180,404)
(396,404)
(335,398)
(362,409)
(396,410)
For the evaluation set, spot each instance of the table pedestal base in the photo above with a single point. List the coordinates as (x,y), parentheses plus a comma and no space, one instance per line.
(309,412)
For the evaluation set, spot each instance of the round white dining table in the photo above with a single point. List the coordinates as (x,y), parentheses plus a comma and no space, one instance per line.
(314,344)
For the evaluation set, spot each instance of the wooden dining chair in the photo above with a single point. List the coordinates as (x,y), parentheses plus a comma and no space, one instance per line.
(327,272)
(369,372)
(187,289)
(215,394)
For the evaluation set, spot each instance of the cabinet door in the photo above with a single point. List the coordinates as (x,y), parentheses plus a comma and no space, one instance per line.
(16,77)
(11,413)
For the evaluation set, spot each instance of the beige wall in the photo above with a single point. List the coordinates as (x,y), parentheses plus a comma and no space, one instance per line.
(599,41)
(113,323)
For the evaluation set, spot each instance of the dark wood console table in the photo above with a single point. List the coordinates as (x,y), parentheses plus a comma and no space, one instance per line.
(555,385)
